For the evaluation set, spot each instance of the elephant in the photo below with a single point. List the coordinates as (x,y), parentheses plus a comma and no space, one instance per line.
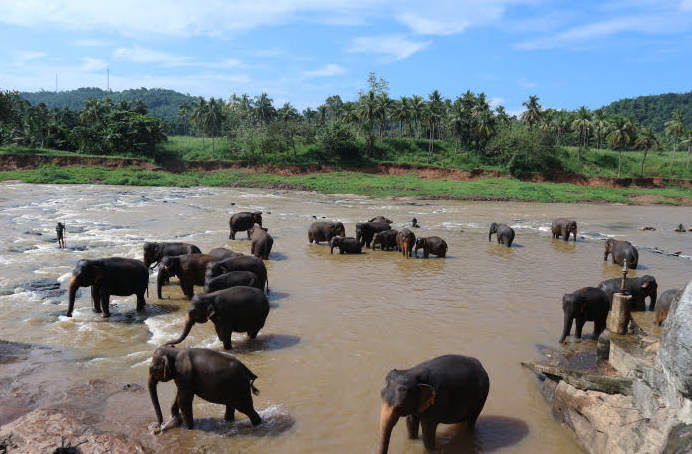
(431,245)
(240,309)
(585,305)
(110,276)
(221,253)
(638,287)
(243,221)
(665,301)
(262,242)
(325,231)
(154,252)
(405,240)
(448,389)
(346,245)
(232,279)
(240,263)
(190,269)
(366,230)
(386,240)
(380,219)
(621,251)
(562,227)
(214,376)
(505,233)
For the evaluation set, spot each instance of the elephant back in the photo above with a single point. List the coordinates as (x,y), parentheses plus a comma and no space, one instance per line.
(245,308)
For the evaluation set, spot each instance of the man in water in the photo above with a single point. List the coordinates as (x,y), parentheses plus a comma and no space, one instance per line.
(60,230)
(414,222)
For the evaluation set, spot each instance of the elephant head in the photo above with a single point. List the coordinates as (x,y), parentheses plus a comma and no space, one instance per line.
(162,369)
(257,217)
(493,229)
(376,240)
(335,229)
(335,242)
(85,274)
(404,394)
(257,228)
(608,248)
(570,227)
(168,266)
(152,253)
(649,287)
(200,311)
(420,244)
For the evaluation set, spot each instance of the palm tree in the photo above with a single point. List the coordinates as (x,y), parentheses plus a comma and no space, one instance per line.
(321,115)
(198,116)
(368,114)
(582,124)
(402,113)
(620,136)
(434,114)
(309,114)
(93,112)
(263,112)
(184,110)
(600,126)
(287,112)
(484,127)
(532,114)
(687,141)
(646,139)
(502,115)
(417,111)
(213,119)
(676,127)
(384,106)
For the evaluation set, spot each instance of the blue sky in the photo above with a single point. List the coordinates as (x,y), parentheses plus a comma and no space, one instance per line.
(567,53)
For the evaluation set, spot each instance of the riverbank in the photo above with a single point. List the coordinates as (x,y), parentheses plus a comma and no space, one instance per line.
(382,180)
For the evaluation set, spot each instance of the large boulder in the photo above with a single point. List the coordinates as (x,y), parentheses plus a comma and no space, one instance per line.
(675,353)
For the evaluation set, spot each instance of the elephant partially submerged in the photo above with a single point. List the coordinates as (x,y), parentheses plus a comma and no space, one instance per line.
(585,305)
(366,230)
(110,276)
(385,240)
(232,279)
(638,287)
(154,252)
(563,227)
(405,240)
(346,245)
(262,242)
(505,233)
(621,251)
(241,263)
(243,221)
(431,245)
(190,269)
(325,231)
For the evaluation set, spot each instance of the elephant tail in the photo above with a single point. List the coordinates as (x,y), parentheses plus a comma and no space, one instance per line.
(267,283)
(255,391)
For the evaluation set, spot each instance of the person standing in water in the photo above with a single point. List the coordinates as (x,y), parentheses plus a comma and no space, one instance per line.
(60,230)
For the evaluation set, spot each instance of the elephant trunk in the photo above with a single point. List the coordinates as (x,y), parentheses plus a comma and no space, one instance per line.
(74,285)
(567,327)
(490,235)
(331,249)
(155,398)
(160,280)
(652,304)
(186,330)
(388,419)
(575,234)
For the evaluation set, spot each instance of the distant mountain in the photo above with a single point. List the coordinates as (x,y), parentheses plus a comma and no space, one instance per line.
(160,102)
(654,110)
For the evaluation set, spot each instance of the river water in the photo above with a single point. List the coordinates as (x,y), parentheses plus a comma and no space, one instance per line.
(338,323)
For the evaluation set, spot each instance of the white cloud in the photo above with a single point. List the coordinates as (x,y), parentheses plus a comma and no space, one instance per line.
(494,102)
(328,71)
(447,17)
(25,57)
(396,47)
(93,64)
(89,42)
(526,83)
(138,54)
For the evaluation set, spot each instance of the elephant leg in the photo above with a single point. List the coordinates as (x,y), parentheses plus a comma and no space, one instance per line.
(184,400)
(429,428)
(175,417)
(224,333)
(579,326)
(230,413)
(426,254)
(253,334)
(105,301)
(96,298)
(232,235)
(248,234)
(412,424)
(140,301)
(245,406)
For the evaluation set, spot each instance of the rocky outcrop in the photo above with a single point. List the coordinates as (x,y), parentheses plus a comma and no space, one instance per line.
(675,354)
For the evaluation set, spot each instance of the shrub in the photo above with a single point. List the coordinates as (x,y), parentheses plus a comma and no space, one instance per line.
(338,140)
(521,150)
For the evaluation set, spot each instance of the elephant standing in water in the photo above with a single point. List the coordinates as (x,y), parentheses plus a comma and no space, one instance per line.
(240,263)
(431,245)
(448,389)
(585,304)
(232,279)
(190,269)
(325,231)
(621,251)
(110,276)
(346,245)
(563,227)
(366,230)
(405,240)
(665,301)
(386,240)
(638,287)
(214,376)
(154,252)
(262,242)
(244,221)
(505,233)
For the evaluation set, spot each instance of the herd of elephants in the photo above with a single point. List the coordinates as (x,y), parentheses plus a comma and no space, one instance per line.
(447,389)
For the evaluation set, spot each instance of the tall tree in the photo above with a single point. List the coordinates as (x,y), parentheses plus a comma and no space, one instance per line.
(385,104)
(582,124)
(687,141)
(600,126)
(368,114)
(418,107)
(263,111)
(620,136)
(646,140)
(213,120)
(502,115)
(532,114)
(435,114)
(676,128)
(184,110)
(198,116)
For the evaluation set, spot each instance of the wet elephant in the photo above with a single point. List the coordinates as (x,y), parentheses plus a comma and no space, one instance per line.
(221,253)
(232,279)
(431,245)
(154,252)
(240,263)
(240,309)
(243,221)
(262,242)
(385,240)
(638,287)
(664,303)
(214,376)
(448,389)
(405,240)
(505,233)
(110,276)
(325,231)
(380,219)
(366,230)
(585,305)
(346,245)
(190,269)
(562,227)
(621,251)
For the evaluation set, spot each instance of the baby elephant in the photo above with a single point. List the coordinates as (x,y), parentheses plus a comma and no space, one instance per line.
(405,240)
(211,375)
(665,301)
(232,279)
(505,233)
(262,242)
(431,245)
(563,227)
(240,309)
(386,240)
(346,245)
(585,305)
(448,389)
(621,251)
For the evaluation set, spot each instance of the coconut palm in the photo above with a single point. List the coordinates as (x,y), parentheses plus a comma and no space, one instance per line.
(418,106)
(646,139)
(309,114)
(676,128)
(600,126)
(287,113)
(687,141)
(620,136)
(263,111)
(484,127)
(213,119)
(385,104)
(533,113)
(184,110)
(434,114)
(401,112)
(93,112)
(582,124)
(502,115)
(321,115)
(368,114)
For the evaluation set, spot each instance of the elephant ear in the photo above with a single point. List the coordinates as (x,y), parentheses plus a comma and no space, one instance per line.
(98,273)
(426,397)
(167,368)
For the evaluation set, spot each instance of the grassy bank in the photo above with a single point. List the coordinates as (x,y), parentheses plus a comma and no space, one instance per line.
(356,183)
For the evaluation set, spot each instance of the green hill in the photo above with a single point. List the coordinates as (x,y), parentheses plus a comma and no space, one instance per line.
(160,102)
(654,110)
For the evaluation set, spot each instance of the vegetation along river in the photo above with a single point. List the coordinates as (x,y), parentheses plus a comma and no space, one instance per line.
(338,323)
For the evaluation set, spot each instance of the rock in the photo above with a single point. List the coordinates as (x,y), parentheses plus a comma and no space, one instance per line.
(647,227)
(679,440)
(21,248)
(42,284)
(675,353)
(33,232)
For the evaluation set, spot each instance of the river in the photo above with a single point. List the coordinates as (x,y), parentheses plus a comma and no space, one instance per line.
(338,323)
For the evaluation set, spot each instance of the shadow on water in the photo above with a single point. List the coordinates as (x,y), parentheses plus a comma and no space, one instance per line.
(132,316)
(273,424)
(563,246)
(277,257)
(492,433)
(265,342)
(275,296)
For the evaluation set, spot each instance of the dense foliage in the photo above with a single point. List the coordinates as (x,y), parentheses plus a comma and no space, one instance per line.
(654,111)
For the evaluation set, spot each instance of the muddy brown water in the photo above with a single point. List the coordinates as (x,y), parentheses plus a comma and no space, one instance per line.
(338,323)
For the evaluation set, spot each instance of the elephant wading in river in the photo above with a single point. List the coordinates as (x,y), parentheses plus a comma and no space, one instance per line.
(431,245)
(448,389)
(366,230)
(346,245)
(665,301)
(386,240)
(154,252)
(214,376)
(505,233)
(325,231)
(232,279)
(621,251)
(110,276)
(241,263)
(240,309)
(262,242)
(563,227)
(221,253)
(405,240)
(585,305)
(380,219)
(638,287)
(190,269)
(243,221)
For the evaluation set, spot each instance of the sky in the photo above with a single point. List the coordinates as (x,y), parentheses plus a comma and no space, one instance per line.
(567,53)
